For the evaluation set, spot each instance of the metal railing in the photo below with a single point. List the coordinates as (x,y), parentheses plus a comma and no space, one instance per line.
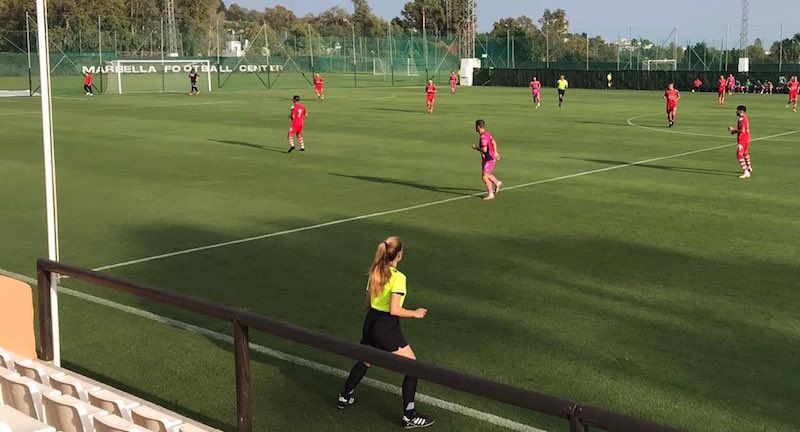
(580,417)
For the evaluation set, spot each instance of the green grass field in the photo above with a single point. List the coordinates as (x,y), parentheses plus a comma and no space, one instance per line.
(626,266)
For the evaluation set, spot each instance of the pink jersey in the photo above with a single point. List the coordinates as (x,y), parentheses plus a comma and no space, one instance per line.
(535,86)
(731,81)
(486,140)
(453,80)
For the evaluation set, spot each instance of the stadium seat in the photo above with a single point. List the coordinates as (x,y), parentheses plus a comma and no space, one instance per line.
(154,420)
(114,423)
(9,358)
(69,414)
(113,403)
(36,371)
(12,420)
(3,373)
(72,386)
(25,395)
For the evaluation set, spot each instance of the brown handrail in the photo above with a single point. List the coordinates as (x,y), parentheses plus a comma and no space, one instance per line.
(579,416)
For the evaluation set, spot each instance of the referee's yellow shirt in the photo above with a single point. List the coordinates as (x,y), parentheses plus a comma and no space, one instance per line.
(395,285)
(562,84)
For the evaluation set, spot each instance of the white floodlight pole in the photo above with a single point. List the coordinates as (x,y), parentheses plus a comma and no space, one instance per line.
(49,167)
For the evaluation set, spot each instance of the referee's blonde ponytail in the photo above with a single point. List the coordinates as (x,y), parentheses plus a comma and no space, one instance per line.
(380,271)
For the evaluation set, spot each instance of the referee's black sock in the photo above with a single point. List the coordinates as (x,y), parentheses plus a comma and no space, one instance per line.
(356,375)
(409,394)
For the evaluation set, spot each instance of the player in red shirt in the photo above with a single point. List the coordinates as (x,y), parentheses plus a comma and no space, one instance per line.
(743,140)
(672,96)
(298,114)
(697,84)
(794,87)
(318,87)
(453,82)
(535,86)
(430,92)
(722,82)
(87,84)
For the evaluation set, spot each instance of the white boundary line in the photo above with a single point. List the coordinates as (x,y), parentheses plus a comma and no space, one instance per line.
(418,206)
(380,385)
(631,123)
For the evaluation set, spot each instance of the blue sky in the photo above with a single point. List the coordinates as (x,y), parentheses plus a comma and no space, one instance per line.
(696,20)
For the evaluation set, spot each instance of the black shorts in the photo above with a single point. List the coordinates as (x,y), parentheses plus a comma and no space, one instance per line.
(561,92)
(382,331)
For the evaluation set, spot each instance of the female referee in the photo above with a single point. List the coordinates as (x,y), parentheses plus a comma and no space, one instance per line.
(386,292)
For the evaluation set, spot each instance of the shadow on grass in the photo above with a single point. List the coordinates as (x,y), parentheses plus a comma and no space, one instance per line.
(250,145)
(385,180)
(704,171)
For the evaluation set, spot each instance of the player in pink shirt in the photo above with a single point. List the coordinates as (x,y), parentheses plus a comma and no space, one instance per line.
(487,147)
(430,95)
(535,86)
(453,82)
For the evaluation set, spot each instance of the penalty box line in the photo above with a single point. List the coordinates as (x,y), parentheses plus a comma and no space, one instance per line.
(289,358)
(415,207)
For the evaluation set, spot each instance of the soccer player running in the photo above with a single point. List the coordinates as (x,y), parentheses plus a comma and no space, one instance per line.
(535,86)
(193,81)
(319,88)
(672,97)
(743,139)
(87,84)
(386,293)
(453,82)
(696,86)
(297,115)
(487,147)
(430,94)
(794,88)
(562,85)
(721,90)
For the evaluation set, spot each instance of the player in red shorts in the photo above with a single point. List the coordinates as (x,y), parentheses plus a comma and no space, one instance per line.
(794,86)
(721,90)
(298,114)
(430,92)
(672,96)
(318,87)
(743,141)
(453,82)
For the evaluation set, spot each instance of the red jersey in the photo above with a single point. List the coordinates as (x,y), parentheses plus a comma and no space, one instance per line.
(87,79)
(744,128)
(298,114)
(794,86)
(722,84)
(535,86)
(453,79)
(672,96)
(698,83)
(318,81)
(430,89)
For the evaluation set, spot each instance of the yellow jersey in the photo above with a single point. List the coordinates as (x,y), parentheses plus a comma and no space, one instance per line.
(562,84)
(395,285)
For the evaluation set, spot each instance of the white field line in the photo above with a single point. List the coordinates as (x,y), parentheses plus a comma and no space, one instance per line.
(631,123)
(418,206)
(380,385)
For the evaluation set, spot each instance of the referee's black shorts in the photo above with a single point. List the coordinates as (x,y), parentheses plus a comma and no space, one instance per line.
(382,331)
(561,91)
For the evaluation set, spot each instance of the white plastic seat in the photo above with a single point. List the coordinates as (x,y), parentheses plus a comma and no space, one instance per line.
(154,420)
(114,423)
(186,427)
(25,395)
(9,358)
(3,373)
(69,414)
(72,386)
(37,371)
(113,403)
(12,420)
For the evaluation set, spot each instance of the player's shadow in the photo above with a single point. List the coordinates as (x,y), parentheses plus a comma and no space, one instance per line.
(250,145)
(703,171)
(440,189)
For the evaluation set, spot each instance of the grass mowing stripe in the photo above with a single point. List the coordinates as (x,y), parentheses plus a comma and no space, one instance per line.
(380,385)
(419,206)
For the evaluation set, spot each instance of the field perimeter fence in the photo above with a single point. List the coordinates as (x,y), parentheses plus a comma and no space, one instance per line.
(250,55)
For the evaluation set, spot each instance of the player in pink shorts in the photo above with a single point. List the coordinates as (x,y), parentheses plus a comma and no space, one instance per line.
(487,147)
(453,82)
(535,86)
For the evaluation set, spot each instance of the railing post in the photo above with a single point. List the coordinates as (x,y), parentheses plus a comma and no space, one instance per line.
(45,316)
(575,424)
(241,347)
